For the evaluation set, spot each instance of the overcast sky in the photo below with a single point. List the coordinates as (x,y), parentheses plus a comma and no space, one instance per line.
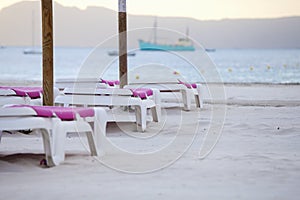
(198,9)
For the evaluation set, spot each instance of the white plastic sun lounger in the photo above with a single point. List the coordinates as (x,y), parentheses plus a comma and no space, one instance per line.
(115,97)
(54,123)
(166,80)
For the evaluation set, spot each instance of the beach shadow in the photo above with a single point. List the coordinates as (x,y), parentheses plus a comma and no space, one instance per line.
(20,162)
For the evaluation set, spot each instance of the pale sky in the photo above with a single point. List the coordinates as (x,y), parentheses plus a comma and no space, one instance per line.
(198,9)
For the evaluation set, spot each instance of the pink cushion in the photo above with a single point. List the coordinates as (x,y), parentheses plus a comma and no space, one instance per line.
(64,113)
(32,92)
(143,93)
(110,82)
(188,85)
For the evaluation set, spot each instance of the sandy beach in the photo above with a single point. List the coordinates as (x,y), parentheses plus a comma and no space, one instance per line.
(256,157)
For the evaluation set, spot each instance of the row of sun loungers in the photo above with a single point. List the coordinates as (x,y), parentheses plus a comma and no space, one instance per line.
(79,108)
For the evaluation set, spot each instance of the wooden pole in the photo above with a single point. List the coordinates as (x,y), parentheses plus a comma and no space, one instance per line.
(122,43)
(47,29)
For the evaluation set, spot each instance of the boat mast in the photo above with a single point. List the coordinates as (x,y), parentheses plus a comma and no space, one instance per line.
(187,33)
(32,28)
(155,30)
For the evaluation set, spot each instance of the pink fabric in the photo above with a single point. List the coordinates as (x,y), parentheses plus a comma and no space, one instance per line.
(110,82)
(188,85)
(64,113)
(143,93)
(32,92)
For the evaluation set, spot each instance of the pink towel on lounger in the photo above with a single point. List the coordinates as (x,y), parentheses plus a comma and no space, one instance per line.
(110,82)
(32,92)
(188,85)
(143,93)
(64,113)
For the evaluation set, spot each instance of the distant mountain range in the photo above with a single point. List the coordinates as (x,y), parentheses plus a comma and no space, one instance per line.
(89,27)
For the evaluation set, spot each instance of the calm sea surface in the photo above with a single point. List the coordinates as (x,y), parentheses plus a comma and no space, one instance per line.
(230,65)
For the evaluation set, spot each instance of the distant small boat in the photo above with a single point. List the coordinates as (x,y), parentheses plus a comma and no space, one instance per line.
(116,53)
(32,50)
(210,50)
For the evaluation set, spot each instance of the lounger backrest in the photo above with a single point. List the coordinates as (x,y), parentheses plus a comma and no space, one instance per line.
(163,74)
(94,91)
(6,92)
(32,92)
(78,83)
(142,93)
(64,113)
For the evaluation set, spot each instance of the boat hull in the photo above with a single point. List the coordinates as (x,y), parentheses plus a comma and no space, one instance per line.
(116,53)
(148,46)
(32,51)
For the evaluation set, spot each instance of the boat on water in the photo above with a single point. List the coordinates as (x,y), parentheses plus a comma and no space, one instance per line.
(32,50)
(183,44)
(210,50)
(116,53)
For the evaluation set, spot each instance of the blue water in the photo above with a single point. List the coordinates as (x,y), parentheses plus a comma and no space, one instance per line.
(232,65)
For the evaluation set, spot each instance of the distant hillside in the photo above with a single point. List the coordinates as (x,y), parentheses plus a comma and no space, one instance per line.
(75,27)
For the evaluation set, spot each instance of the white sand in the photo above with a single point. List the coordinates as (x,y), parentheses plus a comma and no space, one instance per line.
(257,156)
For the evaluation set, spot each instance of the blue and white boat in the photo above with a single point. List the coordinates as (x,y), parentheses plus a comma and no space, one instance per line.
(183,44)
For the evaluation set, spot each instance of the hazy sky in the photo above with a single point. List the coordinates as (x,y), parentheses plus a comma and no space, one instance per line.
(199,9)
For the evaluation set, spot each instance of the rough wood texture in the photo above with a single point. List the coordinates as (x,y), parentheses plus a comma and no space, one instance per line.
(47,25)
(123,49)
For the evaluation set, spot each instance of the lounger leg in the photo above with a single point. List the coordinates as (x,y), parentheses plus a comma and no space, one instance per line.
(141,114)
(186,98)
(59,136)
(92,143)
(47,147)
(156,113)
(156,96)
(100,130)
(199,102)
(198,97)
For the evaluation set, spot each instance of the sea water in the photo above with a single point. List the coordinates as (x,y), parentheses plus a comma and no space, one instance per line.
(231,65)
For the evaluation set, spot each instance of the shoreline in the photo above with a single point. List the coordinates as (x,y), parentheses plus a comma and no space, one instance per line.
(240,94)
(39,82)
